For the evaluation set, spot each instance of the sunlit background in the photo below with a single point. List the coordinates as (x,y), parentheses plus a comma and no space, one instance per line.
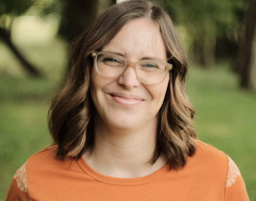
(218,35)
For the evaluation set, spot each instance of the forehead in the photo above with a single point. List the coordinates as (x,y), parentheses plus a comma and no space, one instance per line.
(138,38)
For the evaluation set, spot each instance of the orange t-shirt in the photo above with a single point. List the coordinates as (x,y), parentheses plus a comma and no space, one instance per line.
(210,175)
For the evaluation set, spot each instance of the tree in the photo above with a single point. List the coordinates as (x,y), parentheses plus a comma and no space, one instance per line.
(204,21)
(75,16)
(78,14)
(7,8)
(246,60)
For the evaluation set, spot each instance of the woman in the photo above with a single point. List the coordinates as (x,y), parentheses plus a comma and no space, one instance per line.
(122,124)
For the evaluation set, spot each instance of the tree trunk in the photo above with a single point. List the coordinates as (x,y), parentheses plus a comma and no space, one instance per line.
(29,68)
(79,15)
(204,51)
(253,63)
(246,61)
(208,51)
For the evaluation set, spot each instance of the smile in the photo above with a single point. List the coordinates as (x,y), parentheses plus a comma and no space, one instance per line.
(125,99)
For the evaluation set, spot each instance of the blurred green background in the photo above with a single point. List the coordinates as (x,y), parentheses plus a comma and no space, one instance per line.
(219,37)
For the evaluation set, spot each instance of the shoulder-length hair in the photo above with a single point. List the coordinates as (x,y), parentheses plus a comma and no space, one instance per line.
(71,113)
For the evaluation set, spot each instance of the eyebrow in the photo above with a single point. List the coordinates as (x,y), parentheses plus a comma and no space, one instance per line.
(143,58)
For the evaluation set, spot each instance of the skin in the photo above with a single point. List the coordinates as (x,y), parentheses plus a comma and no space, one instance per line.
(125,122)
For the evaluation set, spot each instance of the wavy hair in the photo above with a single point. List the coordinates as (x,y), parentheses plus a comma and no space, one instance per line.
(71,112)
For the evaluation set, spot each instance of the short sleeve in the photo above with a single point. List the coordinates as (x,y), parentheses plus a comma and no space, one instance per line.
(18,190)
(235,186)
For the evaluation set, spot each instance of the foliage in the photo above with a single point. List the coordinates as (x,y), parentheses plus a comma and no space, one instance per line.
(10,9)
(206,20)
(14,7)
(202,21)
(203,17)
(19,7)
(206,16)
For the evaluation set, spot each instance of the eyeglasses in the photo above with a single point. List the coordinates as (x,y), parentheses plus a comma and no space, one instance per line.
(147,71)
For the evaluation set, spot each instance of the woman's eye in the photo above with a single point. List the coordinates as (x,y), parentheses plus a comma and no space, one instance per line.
(150,65)
(111,59)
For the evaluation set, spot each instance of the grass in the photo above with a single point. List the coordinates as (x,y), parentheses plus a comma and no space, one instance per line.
(225,115)
(24,103)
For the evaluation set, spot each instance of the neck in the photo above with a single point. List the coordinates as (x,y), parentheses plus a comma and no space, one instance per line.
(124,153)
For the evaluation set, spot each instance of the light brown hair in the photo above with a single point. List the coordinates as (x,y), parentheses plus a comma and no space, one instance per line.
(71,112)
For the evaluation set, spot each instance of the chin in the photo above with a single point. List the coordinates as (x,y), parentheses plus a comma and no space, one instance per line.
(126,125)
(123,123)
(125,118)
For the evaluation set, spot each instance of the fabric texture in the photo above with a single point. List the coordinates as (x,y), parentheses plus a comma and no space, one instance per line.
(210,175)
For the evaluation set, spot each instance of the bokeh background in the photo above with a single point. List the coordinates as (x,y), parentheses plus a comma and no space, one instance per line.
(218,35)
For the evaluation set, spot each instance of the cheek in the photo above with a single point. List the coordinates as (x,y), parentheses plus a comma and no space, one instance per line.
(98,84)
(158,92)
(159,97)
(95,88)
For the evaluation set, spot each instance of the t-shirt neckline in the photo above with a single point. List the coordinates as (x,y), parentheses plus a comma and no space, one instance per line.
(122,181)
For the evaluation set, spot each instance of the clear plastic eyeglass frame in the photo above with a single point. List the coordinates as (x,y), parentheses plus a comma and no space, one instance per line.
(151,78)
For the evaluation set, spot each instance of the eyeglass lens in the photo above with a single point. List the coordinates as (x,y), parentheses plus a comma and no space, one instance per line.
(148,71)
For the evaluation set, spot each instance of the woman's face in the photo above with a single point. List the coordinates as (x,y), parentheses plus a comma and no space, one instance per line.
(125,102)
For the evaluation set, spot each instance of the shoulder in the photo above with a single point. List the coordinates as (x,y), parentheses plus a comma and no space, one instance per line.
(45,161)
(45,157)
(209,162)
(215,162)
(38,166)
(210,154)
(21,178)
(211,157)
(39,159)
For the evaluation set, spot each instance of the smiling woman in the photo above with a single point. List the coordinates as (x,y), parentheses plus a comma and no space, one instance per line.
(122,124)
(112,95)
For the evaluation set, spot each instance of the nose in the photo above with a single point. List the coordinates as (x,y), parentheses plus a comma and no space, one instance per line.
(129,78)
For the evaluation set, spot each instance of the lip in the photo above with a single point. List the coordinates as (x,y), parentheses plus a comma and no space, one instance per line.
(126,99)
(126,96)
